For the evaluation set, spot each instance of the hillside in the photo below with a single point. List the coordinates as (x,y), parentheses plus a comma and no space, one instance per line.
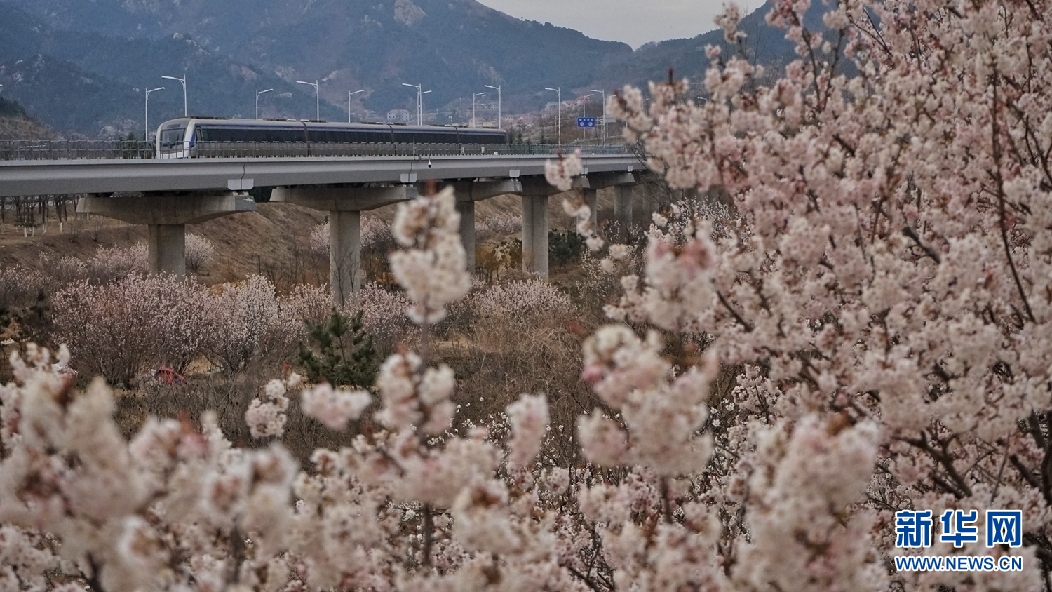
(16,124)
(453,48)
(91,84)
(82,66)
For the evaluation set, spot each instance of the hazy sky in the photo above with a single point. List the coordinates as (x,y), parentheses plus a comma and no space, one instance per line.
(633,21)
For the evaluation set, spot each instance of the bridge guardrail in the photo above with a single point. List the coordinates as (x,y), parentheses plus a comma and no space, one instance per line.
(15,150)
(74,149)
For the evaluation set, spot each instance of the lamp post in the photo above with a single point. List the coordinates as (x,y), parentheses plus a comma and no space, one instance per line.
(186,112)
(146,135)
(262,92)
(603,92)
(499,123)
(349,95)
(559,116)
(420,92)
(317,98)
(473,95)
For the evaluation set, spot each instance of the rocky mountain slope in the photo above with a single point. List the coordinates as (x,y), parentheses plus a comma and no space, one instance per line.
(83,65)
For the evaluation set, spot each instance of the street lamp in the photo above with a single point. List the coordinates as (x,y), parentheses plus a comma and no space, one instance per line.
(146,136)
(559,120)
(262,92)
(499,125)
(349,95)
(420,92)
(317,98)
(604,112)
(186,112)
(473,95)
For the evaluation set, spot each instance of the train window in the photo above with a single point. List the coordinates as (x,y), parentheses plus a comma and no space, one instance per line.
(216,134)
(172,137)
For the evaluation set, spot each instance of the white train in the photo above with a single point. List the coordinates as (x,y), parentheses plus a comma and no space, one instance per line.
(204,137)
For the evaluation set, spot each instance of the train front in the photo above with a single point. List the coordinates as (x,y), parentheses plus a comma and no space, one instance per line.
(175,139)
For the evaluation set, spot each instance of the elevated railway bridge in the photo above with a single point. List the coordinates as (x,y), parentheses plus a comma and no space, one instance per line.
(121,180)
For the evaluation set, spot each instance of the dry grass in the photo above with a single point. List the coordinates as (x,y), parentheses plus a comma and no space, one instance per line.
(496,358)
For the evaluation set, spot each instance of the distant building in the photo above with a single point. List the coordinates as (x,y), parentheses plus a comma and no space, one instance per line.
(398,116)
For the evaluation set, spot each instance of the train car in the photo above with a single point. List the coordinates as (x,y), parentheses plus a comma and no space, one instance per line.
(205,137)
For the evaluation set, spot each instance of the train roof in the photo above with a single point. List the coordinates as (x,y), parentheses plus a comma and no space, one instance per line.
(272,123)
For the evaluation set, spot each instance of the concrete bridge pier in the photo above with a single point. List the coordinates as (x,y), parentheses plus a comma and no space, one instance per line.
(467,193)
(535,194)
(466,209)
(345,206)
(166,247)
(623,208)
(622,184)
(591,197)
(167,216)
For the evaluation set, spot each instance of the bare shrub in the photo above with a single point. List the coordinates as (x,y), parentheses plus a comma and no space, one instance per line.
(517,338)
(120,328)
(199,252)
(118,262)
(304,304)
(521,303)
(384,315)
(501,225)
(20,286)
(319,239)
(243,320)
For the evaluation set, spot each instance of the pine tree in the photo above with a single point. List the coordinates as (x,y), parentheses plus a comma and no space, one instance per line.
(340,352)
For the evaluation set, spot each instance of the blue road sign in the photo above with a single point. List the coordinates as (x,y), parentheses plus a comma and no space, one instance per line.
(586,121)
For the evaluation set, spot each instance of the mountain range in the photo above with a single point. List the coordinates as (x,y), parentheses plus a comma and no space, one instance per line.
(82,66)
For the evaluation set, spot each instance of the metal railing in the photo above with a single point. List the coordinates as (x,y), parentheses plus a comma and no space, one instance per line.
(131,149)
(74,149)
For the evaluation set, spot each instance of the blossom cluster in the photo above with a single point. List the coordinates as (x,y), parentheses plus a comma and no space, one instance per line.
(431,265)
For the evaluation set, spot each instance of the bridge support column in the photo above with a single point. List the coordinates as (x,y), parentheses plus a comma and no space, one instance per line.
(345,205)
(345,253)
(622,184)
(623,210)
(167,249)
(467,193)
(535,234)
(591,197)
(466,209)
(167,216)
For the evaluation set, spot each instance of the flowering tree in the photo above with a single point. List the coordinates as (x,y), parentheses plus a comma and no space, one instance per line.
(890,277)
(882,303)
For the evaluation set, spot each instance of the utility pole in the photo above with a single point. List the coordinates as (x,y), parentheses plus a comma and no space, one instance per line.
(146,135)
(604,112)
(420,92)
(257,99)
(317,98)
(186,112)
(349,95)
(473,95)
(559,113)
(500,125)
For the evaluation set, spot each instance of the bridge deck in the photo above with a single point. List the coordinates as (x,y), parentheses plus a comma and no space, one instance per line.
(54,177)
